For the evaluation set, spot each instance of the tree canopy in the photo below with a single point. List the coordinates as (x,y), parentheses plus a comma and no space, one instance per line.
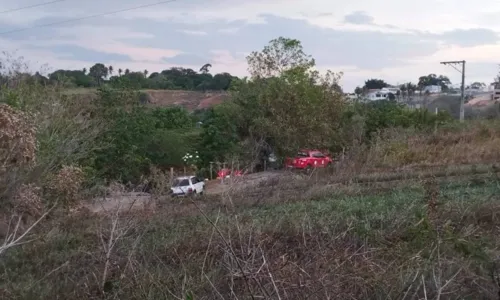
(175,78)
(375,84)
(433,79)
(284,106)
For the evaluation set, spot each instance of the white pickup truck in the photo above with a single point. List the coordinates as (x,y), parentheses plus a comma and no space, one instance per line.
(187,185)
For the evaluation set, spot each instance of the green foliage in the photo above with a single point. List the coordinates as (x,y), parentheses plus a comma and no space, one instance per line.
(280,55)
(433,79)
(375,84)
(382,114)
(72,78)
(98,72)
(171,79)
(220,132)
(286,105)
(138,137)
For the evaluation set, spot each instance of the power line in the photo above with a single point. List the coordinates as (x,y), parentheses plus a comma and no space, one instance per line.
(30,6)
(87,17)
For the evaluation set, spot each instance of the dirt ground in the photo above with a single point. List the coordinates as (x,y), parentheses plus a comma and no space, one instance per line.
(136,200)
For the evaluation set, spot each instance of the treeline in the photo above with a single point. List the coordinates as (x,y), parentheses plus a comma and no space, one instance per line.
(284,106)
(172,79)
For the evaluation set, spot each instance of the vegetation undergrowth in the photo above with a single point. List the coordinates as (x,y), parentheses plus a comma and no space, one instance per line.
(372,246)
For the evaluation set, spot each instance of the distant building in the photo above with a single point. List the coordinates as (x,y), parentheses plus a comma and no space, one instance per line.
(377,95)
(351,96)
(393,90)
(381,94)
(432,89)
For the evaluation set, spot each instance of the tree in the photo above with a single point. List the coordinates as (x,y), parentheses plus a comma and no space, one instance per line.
(110,68)
(222,81)
(478,85)
(205,68)
(127,71)
(98,72)
(286,105)
(433,79)
(375,84)
(146,73)
(120,71)
(280,55)
(408,88)
(84,70)
(358,91)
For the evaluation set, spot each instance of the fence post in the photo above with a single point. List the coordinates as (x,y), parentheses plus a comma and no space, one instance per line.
(223,168)
(436,122)
(171,175)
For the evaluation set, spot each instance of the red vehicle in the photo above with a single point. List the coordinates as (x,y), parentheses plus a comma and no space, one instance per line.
(307,159)
(223,173)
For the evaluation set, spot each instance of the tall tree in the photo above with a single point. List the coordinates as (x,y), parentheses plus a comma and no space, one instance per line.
(84,71)
(375,84)
(146,73)
(110,69)
(477,85)
(98,72)
(120,71)
(127,71)
(280,55)
(297,107)
(358,91)
(205,68)
(433,79)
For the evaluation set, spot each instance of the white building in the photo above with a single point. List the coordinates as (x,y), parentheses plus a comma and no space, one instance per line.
(382,94)
(377,95)
(432,89)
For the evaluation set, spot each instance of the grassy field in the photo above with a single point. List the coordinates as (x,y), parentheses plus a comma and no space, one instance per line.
(423,240)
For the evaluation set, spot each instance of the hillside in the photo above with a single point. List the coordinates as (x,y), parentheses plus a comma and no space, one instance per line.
(191,100)
(475,108)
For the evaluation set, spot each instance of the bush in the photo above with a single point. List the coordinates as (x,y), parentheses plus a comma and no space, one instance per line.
(138,137)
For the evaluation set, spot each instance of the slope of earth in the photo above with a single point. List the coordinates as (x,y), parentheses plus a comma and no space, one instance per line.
(190,100)
(478,107)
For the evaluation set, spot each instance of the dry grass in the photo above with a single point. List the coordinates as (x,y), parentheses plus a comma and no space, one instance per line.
(190,100)
(476,142)
(381,246)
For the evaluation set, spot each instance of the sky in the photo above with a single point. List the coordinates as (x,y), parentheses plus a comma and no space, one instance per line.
(398,41)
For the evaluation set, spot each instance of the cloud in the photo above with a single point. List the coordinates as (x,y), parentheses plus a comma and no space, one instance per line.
(75,52)
(361,38)
(194,32)
(359,17)
(187,59)
(469,37)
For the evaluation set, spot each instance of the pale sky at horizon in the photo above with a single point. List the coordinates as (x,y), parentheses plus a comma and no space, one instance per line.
(397,42)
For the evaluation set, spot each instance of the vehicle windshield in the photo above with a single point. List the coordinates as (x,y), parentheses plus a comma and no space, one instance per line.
(180,182)
(302,154)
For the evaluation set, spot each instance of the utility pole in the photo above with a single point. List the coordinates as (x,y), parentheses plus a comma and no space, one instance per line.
(462,89)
